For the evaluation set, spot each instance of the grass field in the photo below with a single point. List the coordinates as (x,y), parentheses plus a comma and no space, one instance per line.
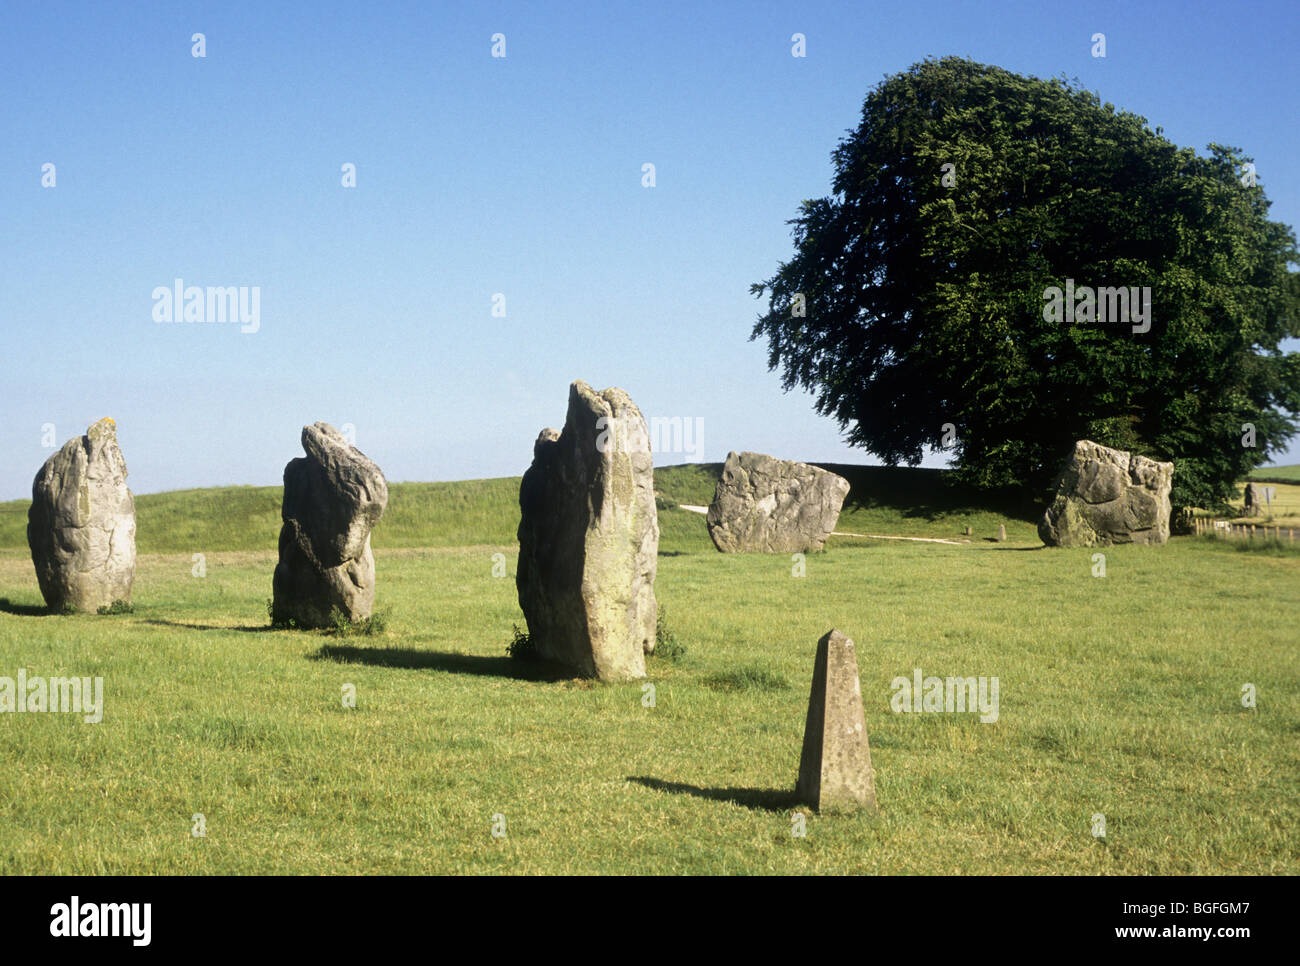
(1119,695)
(1283,511)
(1286,474)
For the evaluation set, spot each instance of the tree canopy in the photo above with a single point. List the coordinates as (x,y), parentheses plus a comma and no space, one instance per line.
(920,292)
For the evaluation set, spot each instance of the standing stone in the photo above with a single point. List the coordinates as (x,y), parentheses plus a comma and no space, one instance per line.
(767,505)
(1002,532)
(589,538)
(333,497)
(1254,500)
(81,525)
(1107,496)
(835,767)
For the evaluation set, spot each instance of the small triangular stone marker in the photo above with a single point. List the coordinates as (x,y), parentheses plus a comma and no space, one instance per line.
(835,767)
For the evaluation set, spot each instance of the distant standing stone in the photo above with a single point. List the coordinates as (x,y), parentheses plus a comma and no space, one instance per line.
(767,505)
(1254,500)
(333,497)
(835,767)
(81,525)
(1002,532)
(1107,496)
(589,538)
(1259,499)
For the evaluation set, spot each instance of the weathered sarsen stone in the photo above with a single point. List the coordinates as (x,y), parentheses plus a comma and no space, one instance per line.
(81,525)
(333,497)
(835,767)
(1259,499)
(767,505)
(1106,496)
(589,538)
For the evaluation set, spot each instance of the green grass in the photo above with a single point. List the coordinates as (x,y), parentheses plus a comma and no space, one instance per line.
(1277,474)
(1119,695)
(748,677)
(1283,510)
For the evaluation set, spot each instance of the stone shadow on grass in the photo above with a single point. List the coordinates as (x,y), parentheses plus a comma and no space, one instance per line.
(26,610)
(761,799)
(413,659)
(246,629)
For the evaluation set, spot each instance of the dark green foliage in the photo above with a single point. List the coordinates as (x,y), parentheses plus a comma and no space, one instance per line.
(925,302)
(277,622)
(371,626)
(667,645)
(521,647)
(117,607)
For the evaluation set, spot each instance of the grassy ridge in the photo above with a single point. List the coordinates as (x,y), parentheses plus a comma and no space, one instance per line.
(882,500)
(474,512)
(248,517)
(1277,474)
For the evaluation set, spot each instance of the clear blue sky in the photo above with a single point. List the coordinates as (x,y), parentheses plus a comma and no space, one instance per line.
(475,176)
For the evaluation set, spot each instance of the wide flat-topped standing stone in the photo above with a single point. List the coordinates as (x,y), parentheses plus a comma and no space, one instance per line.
(81,525)
(767,505)
(1106,496)
(333,497)
(835,767)
(589,538)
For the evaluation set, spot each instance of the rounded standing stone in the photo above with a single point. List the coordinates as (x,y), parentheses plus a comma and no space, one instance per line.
(81,525)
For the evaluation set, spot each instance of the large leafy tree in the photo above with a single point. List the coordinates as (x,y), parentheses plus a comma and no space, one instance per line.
(916,294)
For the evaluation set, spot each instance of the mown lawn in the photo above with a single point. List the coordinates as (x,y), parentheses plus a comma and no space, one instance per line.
(1119,695)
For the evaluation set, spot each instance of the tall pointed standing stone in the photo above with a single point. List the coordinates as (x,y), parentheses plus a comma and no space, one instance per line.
(835,767)
(589,538)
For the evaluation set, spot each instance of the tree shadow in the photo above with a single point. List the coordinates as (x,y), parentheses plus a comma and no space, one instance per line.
(928,494)
(415,660)
(26,610)
(253,629)
(760,799)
